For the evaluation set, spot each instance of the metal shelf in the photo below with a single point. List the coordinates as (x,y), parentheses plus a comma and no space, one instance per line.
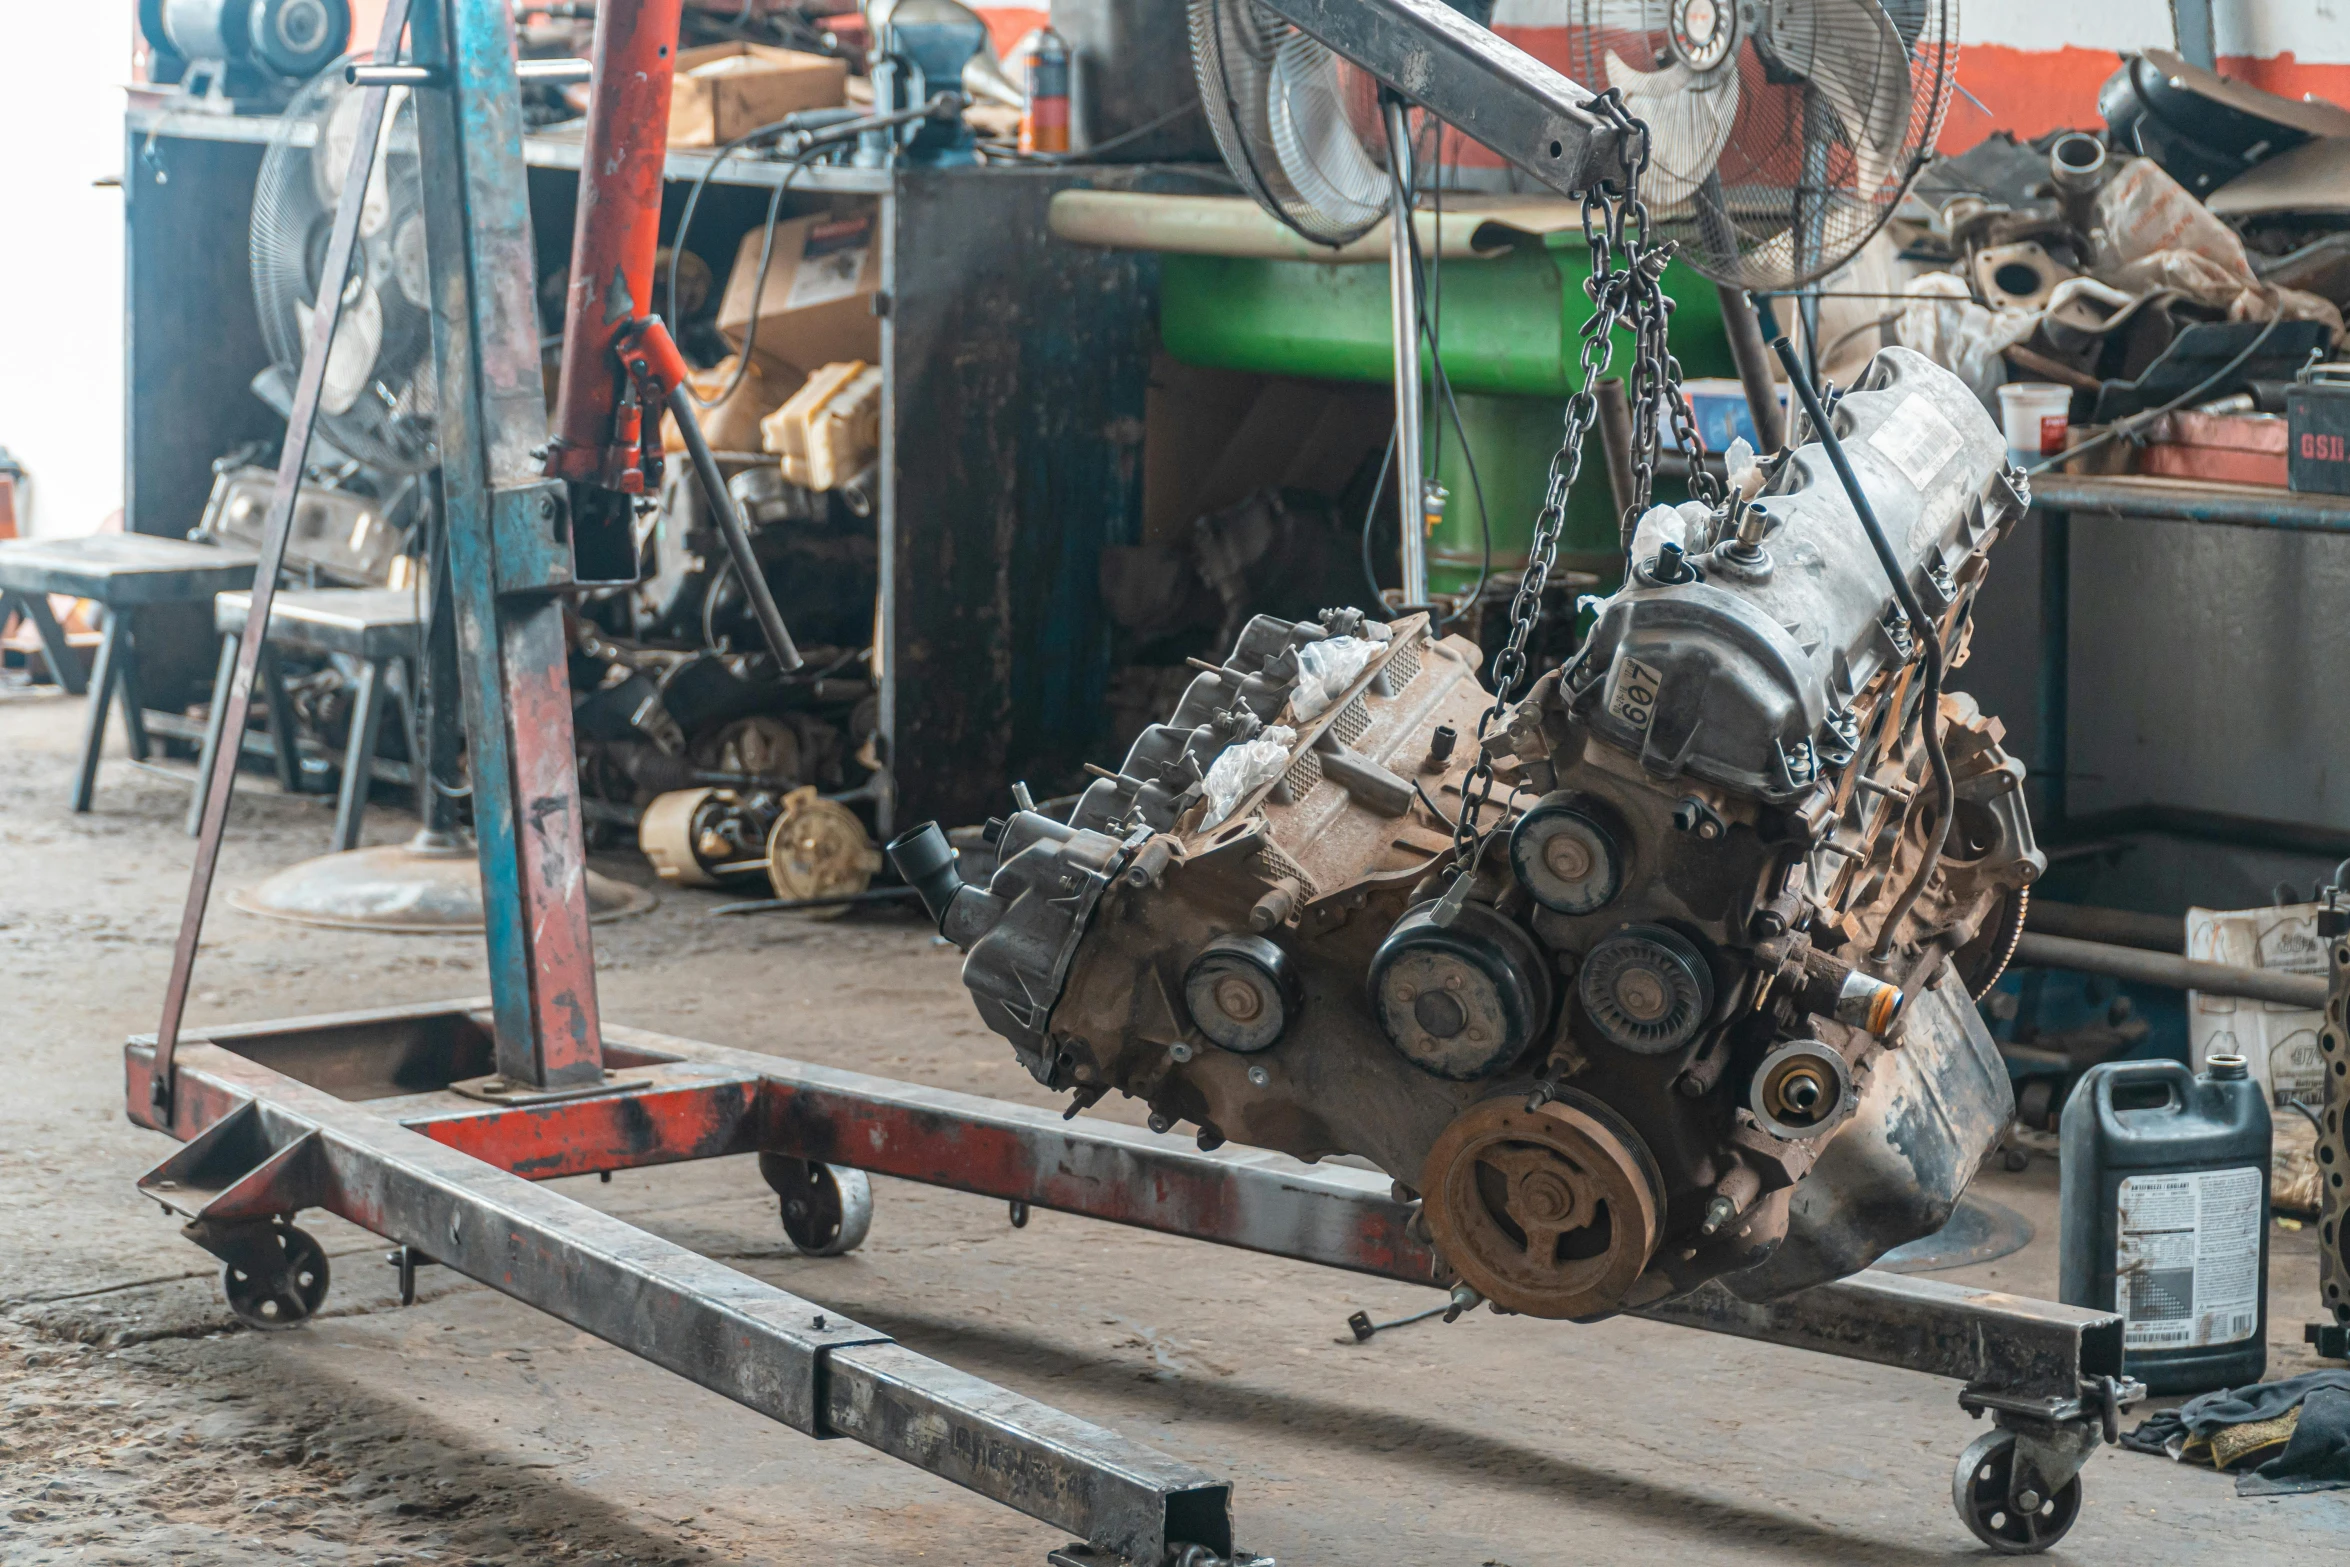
(2186,500)
(543,151)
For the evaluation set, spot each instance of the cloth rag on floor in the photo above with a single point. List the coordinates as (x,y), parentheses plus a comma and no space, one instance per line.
(2278,1438)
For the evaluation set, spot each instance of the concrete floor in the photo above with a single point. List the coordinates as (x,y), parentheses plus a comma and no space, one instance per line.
(142,1426)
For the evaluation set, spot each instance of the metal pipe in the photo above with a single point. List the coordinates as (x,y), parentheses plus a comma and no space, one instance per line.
(730,527)
(1615,443)
(2120,927)
(837,900)
(2307,991)
(554,73)
(1753,359)
(214,789)
(395,76)
(1403,297)
(2180,500)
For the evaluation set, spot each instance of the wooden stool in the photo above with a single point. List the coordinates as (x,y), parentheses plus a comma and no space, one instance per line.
(376,626)
(125,572)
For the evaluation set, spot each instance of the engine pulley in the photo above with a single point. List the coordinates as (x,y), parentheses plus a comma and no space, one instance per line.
(1242,992)
(1461,1001)
(1647,989)
(1566,857)
(1553,1212)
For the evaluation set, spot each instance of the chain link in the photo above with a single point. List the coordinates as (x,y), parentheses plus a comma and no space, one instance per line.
(1627,290)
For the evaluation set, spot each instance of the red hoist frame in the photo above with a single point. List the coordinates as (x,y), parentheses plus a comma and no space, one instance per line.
(431,1126)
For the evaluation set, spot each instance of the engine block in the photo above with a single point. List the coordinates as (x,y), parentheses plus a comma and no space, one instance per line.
(1658,1032)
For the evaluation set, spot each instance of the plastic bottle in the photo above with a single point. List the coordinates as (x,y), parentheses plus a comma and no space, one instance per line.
(1044,124)
(2165,1217)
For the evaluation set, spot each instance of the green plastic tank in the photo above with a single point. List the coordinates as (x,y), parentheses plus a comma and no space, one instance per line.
(1510,329)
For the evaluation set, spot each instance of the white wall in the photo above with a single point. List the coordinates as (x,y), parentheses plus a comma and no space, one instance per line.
(2314,30)
(61,253)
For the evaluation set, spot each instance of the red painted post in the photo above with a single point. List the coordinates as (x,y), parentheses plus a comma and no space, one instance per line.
(617,233)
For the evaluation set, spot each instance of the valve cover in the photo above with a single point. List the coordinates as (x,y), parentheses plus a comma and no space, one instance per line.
(1646,1037)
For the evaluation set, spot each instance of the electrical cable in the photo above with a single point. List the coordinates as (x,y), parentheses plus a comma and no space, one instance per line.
(710,605)
(685,222)
(1431,293)
(1929,642)
(2140,420)
(1371,518)
(1095,150)
(1450,825)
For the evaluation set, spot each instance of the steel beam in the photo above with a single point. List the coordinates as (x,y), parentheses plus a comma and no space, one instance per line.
(2020,1349)
(382,1142)
(1473,80)
(509,548)
(280,1145)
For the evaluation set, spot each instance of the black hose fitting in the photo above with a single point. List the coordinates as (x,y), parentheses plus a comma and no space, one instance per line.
(926,860)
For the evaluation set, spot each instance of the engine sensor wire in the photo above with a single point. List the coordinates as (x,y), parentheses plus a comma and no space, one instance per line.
(1929,641)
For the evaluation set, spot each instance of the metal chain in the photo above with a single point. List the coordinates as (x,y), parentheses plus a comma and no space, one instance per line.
(1626,290)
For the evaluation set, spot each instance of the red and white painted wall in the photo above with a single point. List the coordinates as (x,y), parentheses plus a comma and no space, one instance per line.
(2036,65)
(2033,65)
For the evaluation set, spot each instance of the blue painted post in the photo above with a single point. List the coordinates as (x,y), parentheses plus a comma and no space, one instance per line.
(509,550)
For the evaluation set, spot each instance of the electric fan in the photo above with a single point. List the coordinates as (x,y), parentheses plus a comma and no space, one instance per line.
(379,402)
(1322,148)
(1783,131)
(1296,125)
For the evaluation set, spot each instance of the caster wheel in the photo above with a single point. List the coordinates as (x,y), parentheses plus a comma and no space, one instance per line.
(289,1294)
(826,1211)
(1979,1491)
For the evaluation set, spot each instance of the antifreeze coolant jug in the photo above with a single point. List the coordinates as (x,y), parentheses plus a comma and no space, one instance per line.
(2165,1217)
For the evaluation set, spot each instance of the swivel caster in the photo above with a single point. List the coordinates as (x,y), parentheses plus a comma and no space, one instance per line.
(282,1282)
(826,1211)
(2022,1526)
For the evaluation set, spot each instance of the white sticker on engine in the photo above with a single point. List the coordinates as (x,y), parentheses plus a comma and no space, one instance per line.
(2187,1261)
(1632,693)
(1919,439)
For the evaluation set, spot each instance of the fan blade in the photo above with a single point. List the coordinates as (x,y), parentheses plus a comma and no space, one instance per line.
(1316,144)
(1688,114)
(330,157)
(350,363)
(1853,55)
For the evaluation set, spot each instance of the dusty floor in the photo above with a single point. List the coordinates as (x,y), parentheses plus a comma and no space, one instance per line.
(141,1426)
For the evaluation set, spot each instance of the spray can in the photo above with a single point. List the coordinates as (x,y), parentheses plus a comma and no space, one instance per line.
(1044,124)
(2165,1217)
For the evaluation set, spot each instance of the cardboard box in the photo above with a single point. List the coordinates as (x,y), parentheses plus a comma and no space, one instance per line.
(2280,1042)
(724,90)
(817,307)
(2235,448)
(830,429)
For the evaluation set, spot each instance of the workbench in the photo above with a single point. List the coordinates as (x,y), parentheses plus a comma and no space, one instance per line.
(2154,644)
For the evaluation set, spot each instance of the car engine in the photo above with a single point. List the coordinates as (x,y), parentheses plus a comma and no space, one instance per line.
(1690,1012)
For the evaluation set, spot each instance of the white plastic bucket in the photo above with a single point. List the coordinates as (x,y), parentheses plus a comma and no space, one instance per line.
(2034,414)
